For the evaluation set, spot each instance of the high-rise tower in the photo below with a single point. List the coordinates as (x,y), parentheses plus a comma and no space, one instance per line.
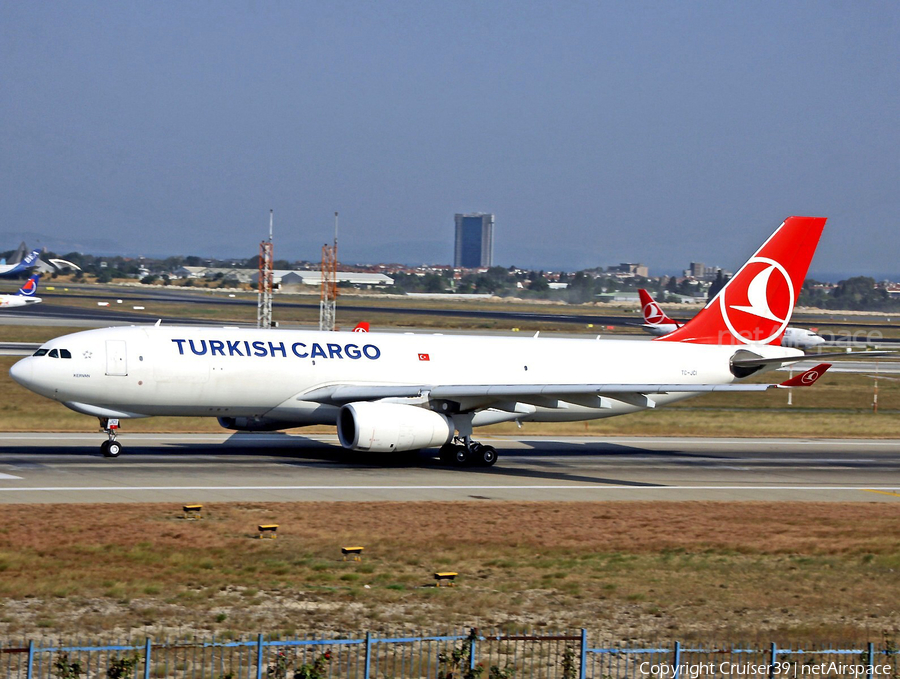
(474,241)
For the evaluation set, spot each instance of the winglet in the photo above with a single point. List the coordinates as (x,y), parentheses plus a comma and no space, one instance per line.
(808,378)
(362,326)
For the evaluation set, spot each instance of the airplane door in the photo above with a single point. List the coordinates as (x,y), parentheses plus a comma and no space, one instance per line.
(116,361)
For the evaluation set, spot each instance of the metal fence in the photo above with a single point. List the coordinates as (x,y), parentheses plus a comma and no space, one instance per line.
(469,655)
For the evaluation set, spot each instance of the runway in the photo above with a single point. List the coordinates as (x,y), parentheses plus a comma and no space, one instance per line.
(182,468)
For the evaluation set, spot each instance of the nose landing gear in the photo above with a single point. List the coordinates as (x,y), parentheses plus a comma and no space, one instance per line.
(468,453)
(111,447)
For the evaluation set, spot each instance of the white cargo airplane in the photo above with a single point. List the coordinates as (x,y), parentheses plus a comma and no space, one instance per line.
(657,322)
(25,296)
(389,392)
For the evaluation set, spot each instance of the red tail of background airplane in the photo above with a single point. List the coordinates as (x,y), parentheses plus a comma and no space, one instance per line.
(653,313)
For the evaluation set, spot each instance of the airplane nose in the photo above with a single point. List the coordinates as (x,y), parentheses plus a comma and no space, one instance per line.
(22,371)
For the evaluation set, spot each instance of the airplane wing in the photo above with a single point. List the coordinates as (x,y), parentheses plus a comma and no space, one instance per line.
(547,395)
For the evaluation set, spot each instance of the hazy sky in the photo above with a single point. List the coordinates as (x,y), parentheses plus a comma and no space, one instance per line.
(597,132)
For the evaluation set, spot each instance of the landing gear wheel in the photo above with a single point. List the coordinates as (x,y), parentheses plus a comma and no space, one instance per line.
(110,448)
(462,456)
(487,456)
(447,453)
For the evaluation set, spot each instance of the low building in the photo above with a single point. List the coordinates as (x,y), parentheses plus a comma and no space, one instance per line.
(213,273)
(189,272)
(295,279)
(622,296)
(629,270)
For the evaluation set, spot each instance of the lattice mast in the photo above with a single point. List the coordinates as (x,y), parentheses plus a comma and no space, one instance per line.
(328,297)
(266,260)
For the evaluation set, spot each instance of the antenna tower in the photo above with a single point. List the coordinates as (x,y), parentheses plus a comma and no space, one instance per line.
(328,298)
(266,259)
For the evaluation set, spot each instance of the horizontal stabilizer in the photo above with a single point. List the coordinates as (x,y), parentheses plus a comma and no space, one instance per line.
(807,378)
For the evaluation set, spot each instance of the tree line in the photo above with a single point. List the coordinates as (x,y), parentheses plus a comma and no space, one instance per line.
(859,293)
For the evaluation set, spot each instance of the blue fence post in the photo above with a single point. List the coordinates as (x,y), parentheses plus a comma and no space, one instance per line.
(473,634)
(368,654)
(147,659)
(871,670)
(773,658)
(259,656)
(30,658)
(582,667)
(677,660)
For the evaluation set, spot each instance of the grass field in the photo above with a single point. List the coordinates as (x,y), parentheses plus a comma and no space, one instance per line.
(794,573)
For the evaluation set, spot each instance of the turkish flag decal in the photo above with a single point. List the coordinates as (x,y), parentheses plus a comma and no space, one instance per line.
(424,357)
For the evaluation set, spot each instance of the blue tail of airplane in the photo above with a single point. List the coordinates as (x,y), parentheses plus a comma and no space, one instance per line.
(29,261)
(30,287)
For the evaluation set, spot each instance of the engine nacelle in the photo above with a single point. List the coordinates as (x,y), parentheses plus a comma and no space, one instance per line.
(391,427)
(254,424)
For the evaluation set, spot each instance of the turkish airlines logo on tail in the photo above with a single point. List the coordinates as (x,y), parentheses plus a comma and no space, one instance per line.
(810,376)
(758,310)
(807,378)
(653,315)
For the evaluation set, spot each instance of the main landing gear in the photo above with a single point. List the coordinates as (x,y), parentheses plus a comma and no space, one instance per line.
(110,448)
(468,453)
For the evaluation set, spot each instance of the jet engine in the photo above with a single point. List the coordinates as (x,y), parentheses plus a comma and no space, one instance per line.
(391,427)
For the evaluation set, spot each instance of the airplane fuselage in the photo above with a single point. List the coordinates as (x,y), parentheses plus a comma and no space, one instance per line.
(230,372)
(17,300)
(660,329)
(801,338)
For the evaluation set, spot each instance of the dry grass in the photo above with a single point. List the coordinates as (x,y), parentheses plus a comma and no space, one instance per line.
(37,333)
(724,422)
(795,572)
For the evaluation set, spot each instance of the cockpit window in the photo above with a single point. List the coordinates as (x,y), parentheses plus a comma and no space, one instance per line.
(53,353)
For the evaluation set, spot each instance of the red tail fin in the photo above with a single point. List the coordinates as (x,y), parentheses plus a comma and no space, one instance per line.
(755,306)
(808,378)
(653,313)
